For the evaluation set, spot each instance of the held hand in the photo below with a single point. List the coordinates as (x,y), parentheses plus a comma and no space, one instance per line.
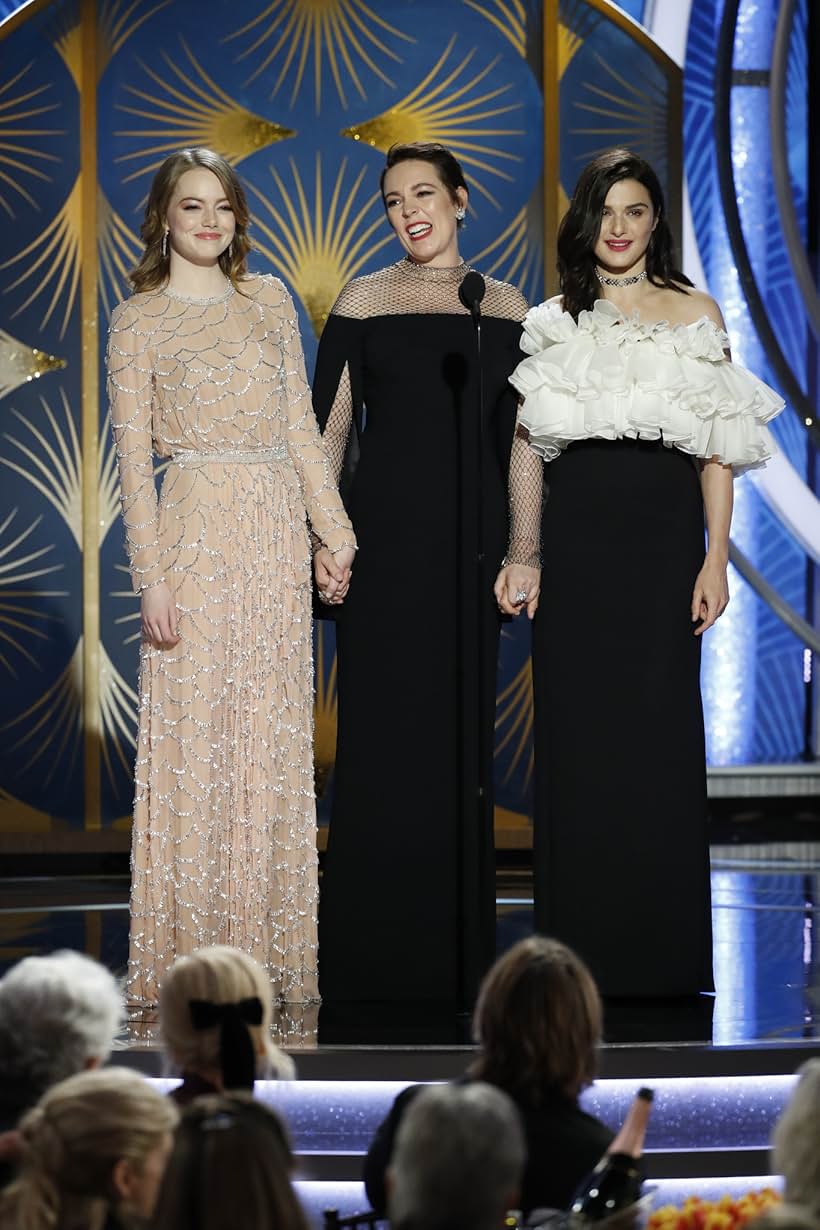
(710,596)
(159,616)
(332,573)
(517,587)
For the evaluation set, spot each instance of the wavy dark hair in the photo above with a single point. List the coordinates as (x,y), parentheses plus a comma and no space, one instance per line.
(581,226)
(446,164)
(152,271)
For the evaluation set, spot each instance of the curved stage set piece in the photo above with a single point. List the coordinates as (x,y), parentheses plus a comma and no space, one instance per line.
(304,98)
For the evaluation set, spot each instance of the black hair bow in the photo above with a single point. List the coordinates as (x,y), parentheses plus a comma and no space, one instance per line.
(236,1050)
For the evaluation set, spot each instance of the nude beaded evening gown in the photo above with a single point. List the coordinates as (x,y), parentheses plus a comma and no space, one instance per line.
(224,843)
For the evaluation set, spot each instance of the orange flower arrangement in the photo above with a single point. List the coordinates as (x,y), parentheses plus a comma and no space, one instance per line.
(727,1213)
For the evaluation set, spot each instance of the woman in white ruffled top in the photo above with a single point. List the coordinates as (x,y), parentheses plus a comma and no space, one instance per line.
(630,397)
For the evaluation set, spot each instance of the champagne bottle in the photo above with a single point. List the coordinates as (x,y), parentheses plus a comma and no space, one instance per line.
(616,1181)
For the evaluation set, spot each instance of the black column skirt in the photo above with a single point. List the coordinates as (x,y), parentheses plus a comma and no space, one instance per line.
(621,846)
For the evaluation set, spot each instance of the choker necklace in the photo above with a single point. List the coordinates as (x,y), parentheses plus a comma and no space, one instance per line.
(605,280)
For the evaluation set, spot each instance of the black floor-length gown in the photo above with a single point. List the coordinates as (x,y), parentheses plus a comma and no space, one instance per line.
(407,911)
(622,411)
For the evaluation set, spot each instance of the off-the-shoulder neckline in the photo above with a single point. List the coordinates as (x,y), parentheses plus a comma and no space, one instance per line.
(634,320)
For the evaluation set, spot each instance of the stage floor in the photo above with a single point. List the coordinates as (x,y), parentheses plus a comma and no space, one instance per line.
(766,915)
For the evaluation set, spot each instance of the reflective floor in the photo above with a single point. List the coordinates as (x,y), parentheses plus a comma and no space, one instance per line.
(766,903)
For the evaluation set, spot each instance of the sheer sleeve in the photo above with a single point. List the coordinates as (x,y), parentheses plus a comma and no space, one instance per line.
(337,390)
(325,509)
(131,400)
(526,495)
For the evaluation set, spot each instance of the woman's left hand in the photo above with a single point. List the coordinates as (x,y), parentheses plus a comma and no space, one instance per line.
(517,587)
(710,596)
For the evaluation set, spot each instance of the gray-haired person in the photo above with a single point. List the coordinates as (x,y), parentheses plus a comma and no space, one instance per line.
(59,1014)
(796,1142)
(458,1160)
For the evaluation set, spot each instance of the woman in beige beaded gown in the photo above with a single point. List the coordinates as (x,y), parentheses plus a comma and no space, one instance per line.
(205,369)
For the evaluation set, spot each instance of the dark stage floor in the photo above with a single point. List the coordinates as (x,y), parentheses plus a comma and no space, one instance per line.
(767,970)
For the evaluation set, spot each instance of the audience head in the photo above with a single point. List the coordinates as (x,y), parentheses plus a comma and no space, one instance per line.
(796,1142)
(458,1160)
(59,1014)
(230,1166)
(215,1018)
(538,1022)
(93,1148)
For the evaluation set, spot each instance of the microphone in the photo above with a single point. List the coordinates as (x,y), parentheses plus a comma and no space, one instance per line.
(471,292)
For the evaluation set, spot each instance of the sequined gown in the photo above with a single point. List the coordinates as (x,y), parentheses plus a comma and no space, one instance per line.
(408,891)
(224,847)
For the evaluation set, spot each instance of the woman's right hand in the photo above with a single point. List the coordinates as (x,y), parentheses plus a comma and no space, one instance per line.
(159,616)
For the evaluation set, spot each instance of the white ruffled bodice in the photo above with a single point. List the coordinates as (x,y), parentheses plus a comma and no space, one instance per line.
(607,377)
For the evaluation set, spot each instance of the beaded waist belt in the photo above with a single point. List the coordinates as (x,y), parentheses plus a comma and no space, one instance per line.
(232,456)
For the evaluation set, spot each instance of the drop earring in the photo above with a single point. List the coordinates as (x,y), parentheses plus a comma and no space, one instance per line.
(164,243)
(460,213)
(230,250)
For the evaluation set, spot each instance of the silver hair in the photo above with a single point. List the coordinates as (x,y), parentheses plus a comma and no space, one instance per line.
(796,1141)
(458,1159)
(57,1013)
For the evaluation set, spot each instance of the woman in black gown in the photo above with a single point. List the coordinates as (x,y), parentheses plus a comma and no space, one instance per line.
(630,397)
(407,909)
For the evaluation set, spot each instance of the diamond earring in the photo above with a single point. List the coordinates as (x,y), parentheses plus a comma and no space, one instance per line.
(165,243)
(460,212)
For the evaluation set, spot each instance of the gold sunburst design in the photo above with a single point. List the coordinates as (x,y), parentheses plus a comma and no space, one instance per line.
(53,724)
(21,123)
(508,16)
(343,32)
(51,461)
(622,113)
(17,567)
(133,615)
(20,363)
(54,262)
(319,245)
(449,105)
(118,249)
(325,711)
(517,255)
(514,721)
(576,24)
(116,22)
(189,108)
(118,704)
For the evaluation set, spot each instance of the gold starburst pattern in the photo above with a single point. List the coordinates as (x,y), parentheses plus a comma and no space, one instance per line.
(20,363)
(346,33)
(576,24)
(514,721)
(118,250)
(20,124)
(622,113)
(19,564)
(51,462)
(449,105)
(53,724)
(55,257)
(133,615)
(118,703)
(517,255)
(116,22)
(319,245)
(325,711)
(189,108)
(508,16)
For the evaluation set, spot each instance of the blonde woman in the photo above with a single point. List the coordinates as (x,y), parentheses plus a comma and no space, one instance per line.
(205,368)
(93,1154)
(215,1023)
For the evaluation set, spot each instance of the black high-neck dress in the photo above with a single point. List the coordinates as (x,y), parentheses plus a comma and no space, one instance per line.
(407,910)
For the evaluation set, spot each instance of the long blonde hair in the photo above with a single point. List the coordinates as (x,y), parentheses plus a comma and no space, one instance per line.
(73,1139)
(152,271)
(219,975)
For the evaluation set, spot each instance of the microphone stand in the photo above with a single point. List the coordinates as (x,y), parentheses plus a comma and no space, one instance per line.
(477,955)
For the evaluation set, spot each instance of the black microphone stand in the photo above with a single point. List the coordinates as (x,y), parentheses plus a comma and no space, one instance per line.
(476,955)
